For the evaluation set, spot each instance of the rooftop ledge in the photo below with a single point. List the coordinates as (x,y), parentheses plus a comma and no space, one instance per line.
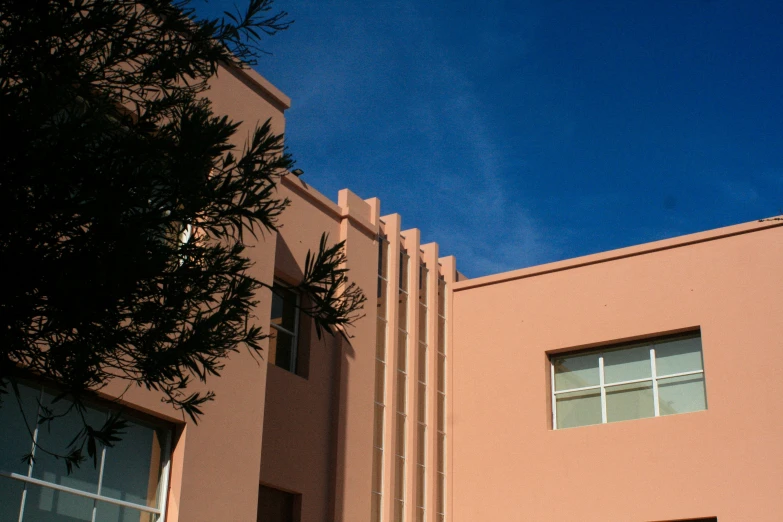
(260,86)
(611,255)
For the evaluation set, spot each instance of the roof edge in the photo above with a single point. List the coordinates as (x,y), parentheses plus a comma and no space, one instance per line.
(620,253)
(260,86)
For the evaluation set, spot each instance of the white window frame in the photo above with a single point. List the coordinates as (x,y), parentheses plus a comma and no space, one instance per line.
(402,409)
(295,334)
(423,281)
(163,484)
(603,386)
(441,473)
(385,282)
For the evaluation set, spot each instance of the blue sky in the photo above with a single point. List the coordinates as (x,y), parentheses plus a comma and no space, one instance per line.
(515,133)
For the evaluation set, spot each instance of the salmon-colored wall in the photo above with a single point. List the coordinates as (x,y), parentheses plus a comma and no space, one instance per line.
(508,463)
(318,428)
(215,464)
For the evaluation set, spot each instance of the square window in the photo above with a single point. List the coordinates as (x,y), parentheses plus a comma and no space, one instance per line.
(631,381)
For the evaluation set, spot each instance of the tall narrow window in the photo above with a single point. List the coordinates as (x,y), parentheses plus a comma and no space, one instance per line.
(421,406)
(632,381)
(129,481)
(283,340)
(402,394)
(380,379)
(440,458)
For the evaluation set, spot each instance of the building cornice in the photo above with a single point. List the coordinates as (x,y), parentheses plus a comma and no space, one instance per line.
(621,253)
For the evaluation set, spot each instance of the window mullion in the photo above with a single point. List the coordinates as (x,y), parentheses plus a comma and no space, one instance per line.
(100,484)
(653,369)
(32,452)
(603,387)
(597,386)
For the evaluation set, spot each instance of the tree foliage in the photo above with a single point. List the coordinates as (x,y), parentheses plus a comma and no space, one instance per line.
(125,206)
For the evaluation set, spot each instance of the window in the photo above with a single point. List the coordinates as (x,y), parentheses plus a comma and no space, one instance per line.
(440,379)
(283,341)
(633,381)
(401,417)
(128,483)
(380,380)
(421,428)
(277,506)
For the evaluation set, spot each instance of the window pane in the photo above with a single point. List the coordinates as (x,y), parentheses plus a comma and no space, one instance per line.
(440,461)
(383,257)
(281,346)
(576,371)
(627,364)
(678,355)
(441,335)
(380,339)
(399,477)
(375,515)
(441,412)
(106,512)
(629,401)
(402,311)
(10,498)
(49,505)
(440,506)
(404,270)
(402,351)
(423,273)
(399,507)
(382,298)
(377,470)
(422,404)
(421,442)
(402,396)
(15,436)
(441,297)
(422,362)
(580,408)
(133,466)
(399,427)
(380,380)
(441,373)
(420,486)
(377,430)
(56,435)
(422,322)
(681,394)
(283,307)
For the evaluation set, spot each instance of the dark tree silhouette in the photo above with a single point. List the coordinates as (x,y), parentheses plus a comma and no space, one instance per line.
(125,206)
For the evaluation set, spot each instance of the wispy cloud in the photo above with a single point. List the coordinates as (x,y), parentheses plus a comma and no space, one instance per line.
(387,109)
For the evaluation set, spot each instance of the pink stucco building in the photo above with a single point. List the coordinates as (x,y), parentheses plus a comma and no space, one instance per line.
(637,385)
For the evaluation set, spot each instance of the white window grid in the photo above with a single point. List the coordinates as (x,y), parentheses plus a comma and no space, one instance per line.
(603,386)
(440,504)
(163,487)
(423,274)
(402,381)
(295,334)
(382,282)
